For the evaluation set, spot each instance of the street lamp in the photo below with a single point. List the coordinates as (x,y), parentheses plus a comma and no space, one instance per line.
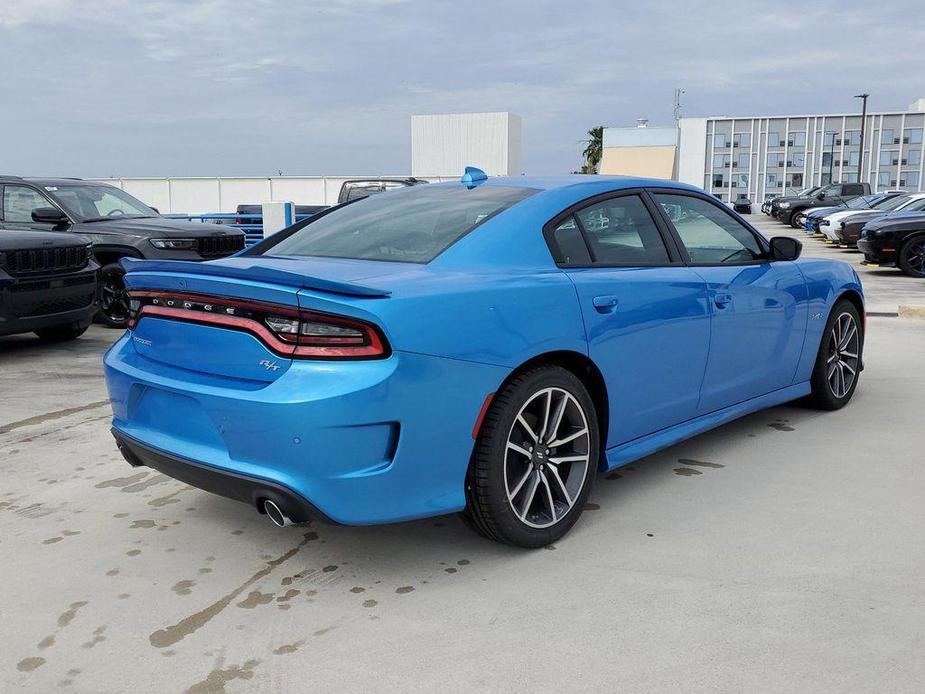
(863,98)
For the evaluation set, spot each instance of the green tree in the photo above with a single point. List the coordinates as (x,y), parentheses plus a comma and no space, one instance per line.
(594,150)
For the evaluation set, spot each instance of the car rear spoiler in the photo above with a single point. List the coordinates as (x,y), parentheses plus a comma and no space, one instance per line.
(255,272)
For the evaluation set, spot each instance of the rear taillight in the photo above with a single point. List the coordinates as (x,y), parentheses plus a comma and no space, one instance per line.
(285,330)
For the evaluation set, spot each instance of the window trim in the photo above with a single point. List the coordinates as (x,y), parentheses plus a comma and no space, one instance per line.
(762,241)
(675,258)
(23,184)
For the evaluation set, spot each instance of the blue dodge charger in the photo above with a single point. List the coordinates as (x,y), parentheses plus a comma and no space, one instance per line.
(485,346)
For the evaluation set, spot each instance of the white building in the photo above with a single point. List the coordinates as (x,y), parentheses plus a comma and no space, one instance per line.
(446,143)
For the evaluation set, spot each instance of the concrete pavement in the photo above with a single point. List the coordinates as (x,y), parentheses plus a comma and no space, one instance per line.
(780,553)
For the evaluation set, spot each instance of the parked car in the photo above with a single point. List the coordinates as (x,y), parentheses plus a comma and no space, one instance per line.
(48,284)
(848,230)
(774,202)
(897,239)
(117,224)
(742,204)
(813,218)
(364,187)
(835,194)
(474,345)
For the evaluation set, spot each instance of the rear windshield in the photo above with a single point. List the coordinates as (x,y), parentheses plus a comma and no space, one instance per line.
(413,225)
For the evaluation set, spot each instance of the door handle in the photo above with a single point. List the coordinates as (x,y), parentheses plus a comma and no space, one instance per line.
(722,300)
(605,304)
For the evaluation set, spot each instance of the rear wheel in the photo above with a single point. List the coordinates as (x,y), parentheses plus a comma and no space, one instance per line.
(838,364)
(60,333)
(535,459)
(912,257)
(113,296)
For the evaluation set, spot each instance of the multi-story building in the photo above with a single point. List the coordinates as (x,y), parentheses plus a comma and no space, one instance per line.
(762,156)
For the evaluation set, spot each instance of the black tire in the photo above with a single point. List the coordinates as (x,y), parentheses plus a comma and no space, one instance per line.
(496,467)
(827,395)
(793,219)
(113,299)
(911,259)
(61,333)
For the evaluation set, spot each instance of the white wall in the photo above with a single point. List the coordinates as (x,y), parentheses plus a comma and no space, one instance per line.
(448,142)
(193,195)
(692,153)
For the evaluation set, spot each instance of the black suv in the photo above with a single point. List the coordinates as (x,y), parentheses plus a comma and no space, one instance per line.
(48,284)
(117,225)
(833,195)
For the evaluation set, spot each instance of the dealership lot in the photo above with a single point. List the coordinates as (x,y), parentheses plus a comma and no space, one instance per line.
(778,553)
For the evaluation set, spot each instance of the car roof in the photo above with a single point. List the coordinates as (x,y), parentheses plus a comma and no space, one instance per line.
(605,183)
(36,181)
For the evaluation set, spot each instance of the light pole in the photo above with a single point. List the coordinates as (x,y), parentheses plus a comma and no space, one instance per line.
(863,98)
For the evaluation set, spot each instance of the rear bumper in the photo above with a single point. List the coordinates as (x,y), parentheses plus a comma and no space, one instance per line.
(357,442)
(232,485)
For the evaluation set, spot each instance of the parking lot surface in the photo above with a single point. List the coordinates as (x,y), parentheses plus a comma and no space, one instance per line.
(779,553)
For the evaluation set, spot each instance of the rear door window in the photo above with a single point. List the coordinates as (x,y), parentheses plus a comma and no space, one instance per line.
(620,231)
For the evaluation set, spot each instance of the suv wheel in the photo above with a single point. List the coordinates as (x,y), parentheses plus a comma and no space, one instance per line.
(535,459)
(912,257)
(114,309)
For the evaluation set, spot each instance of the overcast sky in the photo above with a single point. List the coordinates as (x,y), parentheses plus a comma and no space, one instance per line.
(228,87)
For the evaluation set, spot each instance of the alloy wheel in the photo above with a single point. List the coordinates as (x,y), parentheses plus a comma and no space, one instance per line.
(915,257)
(114,297)
(843,357)
(547,457)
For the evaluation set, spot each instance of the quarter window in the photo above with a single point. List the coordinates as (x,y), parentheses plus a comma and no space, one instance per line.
(19,201)
(621,231)
(572,248)
(710,234)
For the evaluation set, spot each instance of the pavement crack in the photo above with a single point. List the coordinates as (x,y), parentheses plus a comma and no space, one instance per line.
(179,631)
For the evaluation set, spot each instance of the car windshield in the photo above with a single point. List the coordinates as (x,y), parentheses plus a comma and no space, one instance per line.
(864,203)
(894,203)
(411,225)
(808,191)
(97,203)
(915,205)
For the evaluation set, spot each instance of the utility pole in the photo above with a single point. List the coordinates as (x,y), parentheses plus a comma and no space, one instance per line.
(863,98)
(677,104)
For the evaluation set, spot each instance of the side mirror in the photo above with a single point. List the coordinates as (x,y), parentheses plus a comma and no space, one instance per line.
(820,196)
(785,248)
(49,215)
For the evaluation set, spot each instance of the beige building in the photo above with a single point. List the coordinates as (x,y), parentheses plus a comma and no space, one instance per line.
(640,151)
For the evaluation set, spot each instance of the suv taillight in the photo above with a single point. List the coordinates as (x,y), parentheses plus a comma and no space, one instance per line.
(288,331)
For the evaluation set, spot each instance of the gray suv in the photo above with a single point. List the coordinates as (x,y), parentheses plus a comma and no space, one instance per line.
(118,226)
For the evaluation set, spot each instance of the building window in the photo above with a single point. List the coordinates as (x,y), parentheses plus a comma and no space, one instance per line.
(888,157)
(886,137)
(825,179)
(853,137)
(912,136)
(909,179)
(795,180)
(718,180)
(854,158)
(914,157)
(775,159)
(829,139)
(774,140)
(883,179)
(740,181)
(742,140)
(798,159)
(798,139)
(742,161)
(720,161)
(719,140)
(826,160)
(772,181)
(850,177)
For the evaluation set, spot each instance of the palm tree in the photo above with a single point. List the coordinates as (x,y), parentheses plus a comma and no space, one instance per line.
(594,149)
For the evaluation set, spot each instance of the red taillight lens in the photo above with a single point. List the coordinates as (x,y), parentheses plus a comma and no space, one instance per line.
(287,331)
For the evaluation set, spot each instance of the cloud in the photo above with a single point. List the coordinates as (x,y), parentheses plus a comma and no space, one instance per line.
(99,87)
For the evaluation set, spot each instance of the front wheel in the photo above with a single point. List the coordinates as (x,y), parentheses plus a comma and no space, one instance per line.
(114,307)
(838,363)
(535,459)
(912,257)
(797,220)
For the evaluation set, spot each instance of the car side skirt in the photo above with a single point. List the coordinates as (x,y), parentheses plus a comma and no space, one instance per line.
(649,444)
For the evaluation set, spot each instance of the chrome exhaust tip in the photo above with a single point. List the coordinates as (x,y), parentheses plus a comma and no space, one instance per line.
(275,514)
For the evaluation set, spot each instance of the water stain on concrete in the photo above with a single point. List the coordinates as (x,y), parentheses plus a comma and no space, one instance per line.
(216,680)
(49,416)
(614,476)
(122,481)
(322,632)
(184,587)
(370,603)
(189,625)
(781,425)
(288,595)
(142,524)
(30,664)
(112,572)
(592,507)
(52,540)
(686,471)
(97,638)
(169,498)
(699,463)
(133,552)
(70,533)
(404,589)
(256,598)
(463,562)
(357,589)
(288,648)
(47,642)
(141,486)
(329,569)
(68,615)
(451,570)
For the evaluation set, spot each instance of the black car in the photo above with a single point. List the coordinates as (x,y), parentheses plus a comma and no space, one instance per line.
(772,206)
(829,196)
(897,239)
(117,224)
(849,229)
(48,284)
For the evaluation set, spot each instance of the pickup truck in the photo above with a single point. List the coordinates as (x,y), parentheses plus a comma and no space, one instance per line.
(791,209)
